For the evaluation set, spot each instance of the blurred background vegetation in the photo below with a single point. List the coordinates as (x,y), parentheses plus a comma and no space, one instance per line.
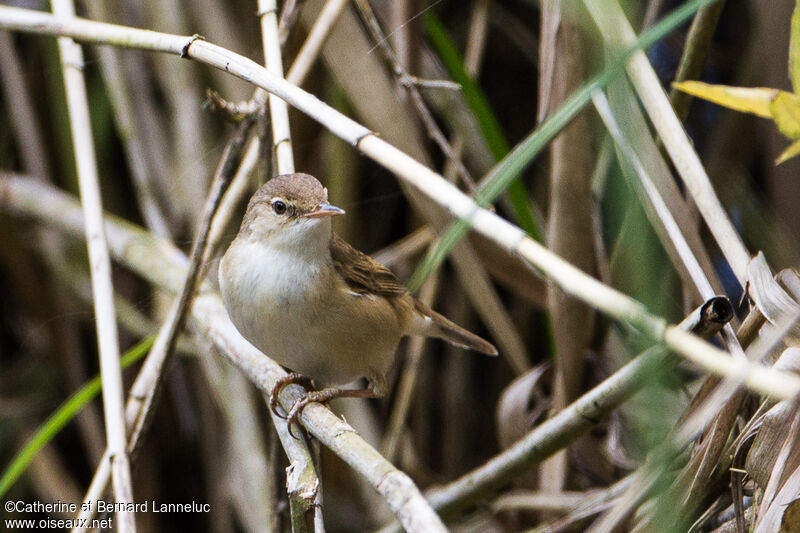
(464,409)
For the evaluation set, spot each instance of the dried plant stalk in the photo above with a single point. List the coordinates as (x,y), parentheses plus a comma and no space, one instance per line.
(102,288)
(278,109)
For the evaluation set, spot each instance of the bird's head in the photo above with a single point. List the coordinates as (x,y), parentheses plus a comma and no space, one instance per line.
(291,210)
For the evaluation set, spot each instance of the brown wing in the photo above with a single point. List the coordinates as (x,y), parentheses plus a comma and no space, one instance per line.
(362,273)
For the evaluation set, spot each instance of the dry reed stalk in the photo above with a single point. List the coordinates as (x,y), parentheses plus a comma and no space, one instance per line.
(302,482)
(569,221)
(278,108)
(102,288)
(30,143)
(129,132)
(139,407)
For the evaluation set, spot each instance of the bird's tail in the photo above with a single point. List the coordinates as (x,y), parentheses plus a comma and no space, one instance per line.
(439,326)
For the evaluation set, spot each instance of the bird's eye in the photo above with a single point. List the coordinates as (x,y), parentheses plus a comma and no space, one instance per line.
(279,206)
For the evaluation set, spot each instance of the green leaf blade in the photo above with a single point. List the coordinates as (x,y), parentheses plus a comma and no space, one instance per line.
(61,417)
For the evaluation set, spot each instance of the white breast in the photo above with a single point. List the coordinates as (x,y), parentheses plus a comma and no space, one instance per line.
(262,288)
(299,312)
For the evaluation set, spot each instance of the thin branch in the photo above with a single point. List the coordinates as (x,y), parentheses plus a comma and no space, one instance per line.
(144,389)
(309,52)
(163,264)
(433,129)
(102,288)
(302,481)
(278,108)
(238,189)
(695,51)
(402,249)
(288,19)
(527,500)
(595,502)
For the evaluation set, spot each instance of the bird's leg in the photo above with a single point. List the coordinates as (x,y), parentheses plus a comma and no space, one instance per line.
(291,378)
(323,396)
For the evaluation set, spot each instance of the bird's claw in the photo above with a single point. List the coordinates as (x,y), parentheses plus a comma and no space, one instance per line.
(323,396)
(317,396)
(291,378)
(296,411)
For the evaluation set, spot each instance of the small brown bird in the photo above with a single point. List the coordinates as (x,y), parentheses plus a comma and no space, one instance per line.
(315,304)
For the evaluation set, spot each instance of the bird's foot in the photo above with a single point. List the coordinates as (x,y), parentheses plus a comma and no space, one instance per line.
(289,379)
(323,396)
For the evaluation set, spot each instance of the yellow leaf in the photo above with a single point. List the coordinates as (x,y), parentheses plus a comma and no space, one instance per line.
(786,113)
(789,153)
(794,50)
(755,100)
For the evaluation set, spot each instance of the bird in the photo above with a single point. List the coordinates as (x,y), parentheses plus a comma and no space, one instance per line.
(317,306)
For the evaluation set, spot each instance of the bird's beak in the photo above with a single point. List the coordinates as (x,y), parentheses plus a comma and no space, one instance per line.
(324,210)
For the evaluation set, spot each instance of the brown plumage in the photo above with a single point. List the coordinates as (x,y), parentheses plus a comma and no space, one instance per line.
(362,273)
(366,276)
(314,303)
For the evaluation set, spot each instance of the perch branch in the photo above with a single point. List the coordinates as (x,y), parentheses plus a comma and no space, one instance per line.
(161,263)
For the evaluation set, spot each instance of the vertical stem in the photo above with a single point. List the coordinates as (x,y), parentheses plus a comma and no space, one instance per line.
(695,51)
(279,109)
(316,38)
(100,264)
(302,481)
(617,31)
(569,222)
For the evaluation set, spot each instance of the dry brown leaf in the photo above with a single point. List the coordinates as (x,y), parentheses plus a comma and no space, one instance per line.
(775,517)
(520,405)
(791,518)
(774,427)
(769,296)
